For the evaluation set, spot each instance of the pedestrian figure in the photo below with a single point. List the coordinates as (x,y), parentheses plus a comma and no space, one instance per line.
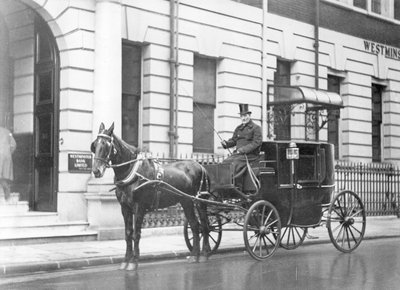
(7,148)
(247,138)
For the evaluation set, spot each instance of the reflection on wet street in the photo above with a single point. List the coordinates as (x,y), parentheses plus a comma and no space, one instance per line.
(374,265)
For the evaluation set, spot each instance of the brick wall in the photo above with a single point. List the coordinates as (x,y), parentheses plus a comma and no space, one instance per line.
(339,19)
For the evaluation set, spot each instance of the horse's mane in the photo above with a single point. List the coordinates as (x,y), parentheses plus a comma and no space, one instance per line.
(125,145)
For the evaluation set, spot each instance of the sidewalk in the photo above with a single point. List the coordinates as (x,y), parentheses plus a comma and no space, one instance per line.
(155,244)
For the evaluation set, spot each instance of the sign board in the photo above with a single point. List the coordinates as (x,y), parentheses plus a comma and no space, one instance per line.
(384,50)
(79,163)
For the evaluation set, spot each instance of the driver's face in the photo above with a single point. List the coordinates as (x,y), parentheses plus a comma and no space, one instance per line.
(245,118)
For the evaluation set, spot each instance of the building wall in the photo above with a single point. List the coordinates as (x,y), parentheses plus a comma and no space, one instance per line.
(228,31)
(340,18)
(346,56)
(224,30)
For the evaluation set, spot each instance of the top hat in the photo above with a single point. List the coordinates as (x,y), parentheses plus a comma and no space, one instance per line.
(244,109)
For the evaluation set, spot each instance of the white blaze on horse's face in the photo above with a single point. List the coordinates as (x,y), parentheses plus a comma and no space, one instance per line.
(101,149)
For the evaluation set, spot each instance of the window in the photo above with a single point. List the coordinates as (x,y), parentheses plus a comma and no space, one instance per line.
(376,122)
(376,6)
(131,90)
(333,115)
(383,7)
(282,115)
(397,9)
(204,104)
(360,4)
(386,8)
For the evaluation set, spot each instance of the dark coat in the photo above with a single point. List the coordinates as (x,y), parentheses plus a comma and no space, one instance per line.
(247,138)
(7,147)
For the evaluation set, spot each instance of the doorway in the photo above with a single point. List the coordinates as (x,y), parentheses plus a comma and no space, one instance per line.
(45,137)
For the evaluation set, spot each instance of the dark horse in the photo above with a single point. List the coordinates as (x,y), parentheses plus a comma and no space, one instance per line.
(143,185)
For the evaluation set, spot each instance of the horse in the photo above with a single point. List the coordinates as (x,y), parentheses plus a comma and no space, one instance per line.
(144,185)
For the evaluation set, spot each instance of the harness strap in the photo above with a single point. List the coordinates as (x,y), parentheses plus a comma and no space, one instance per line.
(203,177)
(253,176)
(132,173)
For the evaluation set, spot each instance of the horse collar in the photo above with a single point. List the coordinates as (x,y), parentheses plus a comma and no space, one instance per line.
(133,173)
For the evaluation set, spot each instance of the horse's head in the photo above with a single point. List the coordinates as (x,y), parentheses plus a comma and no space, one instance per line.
(103,149)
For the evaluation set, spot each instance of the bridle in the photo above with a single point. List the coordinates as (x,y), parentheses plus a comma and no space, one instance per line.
(110,141)
(133,173)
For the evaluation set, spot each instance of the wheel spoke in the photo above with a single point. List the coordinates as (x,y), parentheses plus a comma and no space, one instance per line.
(357,213)
(267,219)
(348,237)
(352,235)
(272,223)
(355,229)
(266,246)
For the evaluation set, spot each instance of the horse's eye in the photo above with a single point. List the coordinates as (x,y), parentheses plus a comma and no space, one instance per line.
(92,147)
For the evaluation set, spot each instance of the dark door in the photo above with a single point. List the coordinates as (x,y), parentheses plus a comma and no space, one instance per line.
(46,120)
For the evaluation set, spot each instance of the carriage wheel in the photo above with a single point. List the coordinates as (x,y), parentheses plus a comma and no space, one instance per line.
(215,234)
(346,221)
(292,237)
(262,230)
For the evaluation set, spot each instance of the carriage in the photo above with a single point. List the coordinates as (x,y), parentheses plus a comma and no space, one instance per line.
(296,192)
(289,190)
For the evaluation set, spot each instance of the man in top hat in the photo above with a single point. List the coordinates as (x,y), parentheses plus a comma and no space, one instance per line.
(247,138)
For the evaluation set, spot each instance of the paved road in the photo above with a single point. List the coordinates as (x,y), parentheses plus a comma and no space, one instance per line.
(374,265)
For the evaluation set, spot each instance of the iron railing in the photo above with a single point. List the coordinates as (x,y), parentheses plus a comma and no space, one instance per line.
(377,184)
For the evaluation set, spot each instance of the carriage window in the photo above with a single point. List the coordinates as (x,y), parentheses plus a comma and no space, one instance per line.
(283,167)
(307,166)
(131,90)
(204,104)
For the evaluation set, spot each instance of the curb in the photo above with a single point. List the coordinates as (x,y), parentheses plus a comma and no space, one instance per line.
(17,269)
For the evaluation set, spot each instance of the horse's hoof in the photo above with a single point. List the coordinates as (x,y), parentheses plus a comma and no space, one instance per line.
(203,259)
(192,259)
(123,266)
(132,267)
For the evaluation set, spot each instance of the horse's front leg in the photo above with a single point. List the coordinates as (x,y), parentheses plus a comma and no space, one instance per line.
(128,218)
(138,219)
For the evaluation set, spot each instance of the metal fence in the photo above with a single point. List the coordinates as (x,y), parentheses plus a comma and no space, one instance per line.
(377,184)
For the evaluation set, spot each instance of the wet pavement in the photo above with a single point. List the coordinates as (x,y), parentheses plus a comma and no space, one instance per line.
(374,265)
(156,244)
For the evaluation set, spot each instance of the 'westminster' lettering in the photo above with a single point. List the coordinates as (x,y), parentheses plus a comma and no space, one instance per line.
(377,48)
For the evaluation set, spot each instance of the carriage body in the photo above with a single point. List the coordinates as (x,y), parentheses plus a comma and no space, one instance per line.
(298,193)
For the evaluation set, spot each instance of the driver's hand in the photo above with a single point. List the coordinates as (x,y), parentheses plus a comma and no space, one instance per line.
(224,144)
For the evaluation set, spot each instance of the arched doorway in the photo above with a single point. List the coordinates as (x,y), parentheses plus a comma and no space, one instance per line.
(32,103)
(46,95)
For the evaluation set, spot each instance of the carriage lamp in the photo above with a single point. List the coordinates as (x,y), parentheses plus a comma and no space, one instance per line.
(292,152)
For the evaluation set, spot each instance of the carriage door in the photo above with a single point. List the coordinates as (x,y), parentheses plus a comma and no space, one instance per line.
(45,120)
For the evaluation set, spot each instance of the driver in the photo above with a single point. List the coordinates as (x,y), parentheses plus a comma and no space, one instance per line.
(247,138)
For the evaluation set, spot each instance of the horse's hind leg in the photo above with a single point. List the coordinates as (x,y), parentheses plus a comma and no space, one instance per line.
(128,218)
(206,249)
(192,219)
(134,260)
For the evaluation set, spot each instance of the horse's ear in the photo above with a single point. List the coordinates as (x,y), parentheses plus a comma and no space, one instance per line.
(111,129)
(101,129)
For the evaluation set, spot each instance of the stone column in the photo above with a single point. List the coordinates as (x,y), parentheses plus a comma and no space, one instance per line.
(108,63)
(102,203)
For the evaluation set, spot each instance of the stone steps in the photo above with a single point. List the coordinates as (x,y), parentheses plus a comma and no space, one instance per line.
(41,227)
